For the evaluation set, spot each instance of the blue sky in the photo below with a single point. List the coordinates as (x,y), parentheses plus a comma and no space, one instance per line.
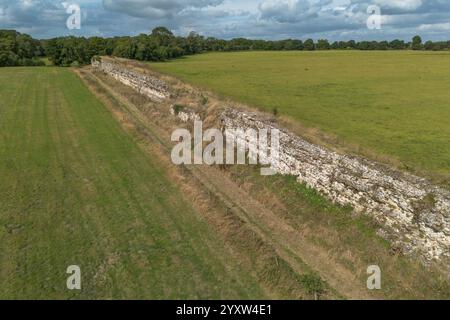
(265,19)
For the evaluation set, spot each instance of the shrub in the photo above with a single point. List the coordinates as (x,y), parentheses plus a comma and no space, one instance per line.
(313,284)
(204,100)
(178,108)
(275,111)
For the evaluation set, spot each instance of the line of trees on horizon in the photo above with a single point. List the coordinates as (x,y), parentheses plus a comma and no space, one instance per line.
(161,44)
(18,49)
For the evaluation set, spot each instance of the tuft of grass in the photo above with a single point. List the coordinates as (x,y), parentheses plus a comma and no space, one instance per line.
(313,284)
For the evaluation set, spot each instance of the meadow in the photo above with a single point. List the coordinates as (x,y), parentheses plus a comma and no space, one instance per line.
(75,189)
(393,106)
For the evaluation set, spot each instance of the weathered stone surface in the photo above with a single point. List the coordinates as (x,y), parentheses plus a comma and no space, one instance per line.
(414,214)
(185,115)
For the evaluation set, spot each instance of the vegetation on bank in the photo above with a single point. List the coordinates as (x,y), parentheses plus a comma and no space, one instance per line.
(161,44)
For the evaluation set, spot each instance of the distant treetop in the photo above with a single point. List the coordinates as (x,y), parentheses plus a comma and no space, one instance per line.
(161,44)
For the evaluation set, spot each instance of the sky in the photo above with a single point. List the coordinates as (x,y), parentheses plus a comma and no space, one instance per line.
(256,19)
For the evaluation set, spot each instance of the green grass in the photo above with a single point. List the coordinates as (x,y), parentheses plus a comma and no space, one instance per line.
(394,104)
(75,189)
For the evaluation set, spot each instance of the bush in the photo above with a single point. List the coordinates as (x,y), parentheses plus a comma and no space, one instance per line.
(177,109)
(313,284)
(204,100)
(18,49)
(275,111)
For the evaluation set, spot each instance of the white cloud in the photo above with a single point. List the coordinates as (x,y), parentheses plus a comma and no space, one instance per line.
(268,19)
(435,27)
(405,5)
(156,8)
(285,10)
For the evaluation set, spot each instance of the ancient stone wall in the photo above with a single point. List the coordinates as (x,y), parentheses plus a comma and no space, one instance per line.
(145,84)
(414,215)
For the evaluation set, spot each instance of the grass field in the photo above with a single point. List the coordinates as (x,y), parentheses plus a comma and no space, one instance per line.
(75,189)
(395,105)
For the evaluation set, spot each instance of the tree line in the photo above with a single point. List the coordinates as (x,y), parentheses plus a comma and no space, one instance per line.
(18,49)
(161,44)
